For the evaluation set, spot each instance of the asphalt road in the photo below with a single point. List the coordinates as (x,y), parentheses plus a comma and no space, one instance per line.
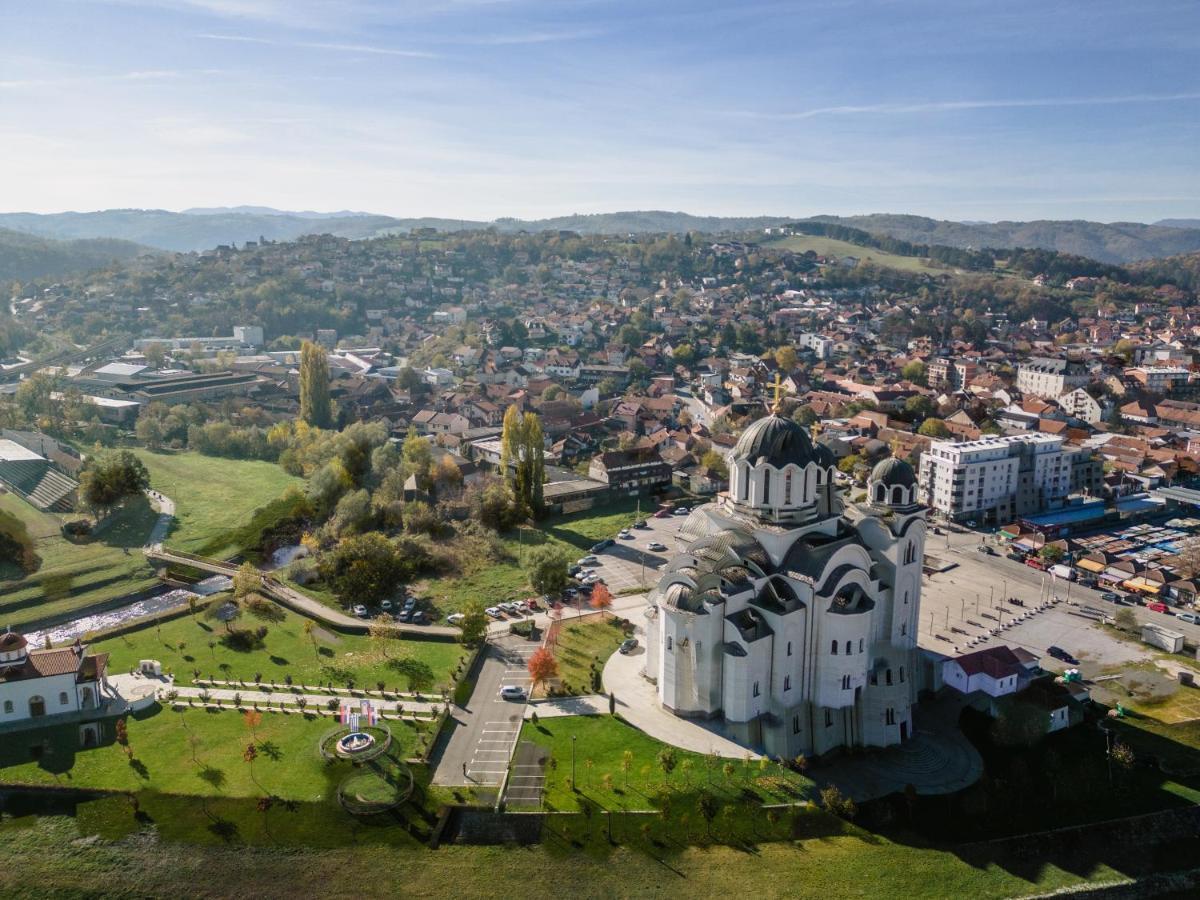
(482,735)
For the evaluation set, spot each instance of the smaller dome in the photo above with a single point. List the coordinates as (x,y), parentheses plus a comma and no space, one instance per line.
(10,642)
(891,472)
(776,441)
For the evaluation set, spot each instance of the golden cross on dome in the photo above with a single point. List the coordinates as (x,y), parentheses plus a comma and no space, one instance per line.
(777,406)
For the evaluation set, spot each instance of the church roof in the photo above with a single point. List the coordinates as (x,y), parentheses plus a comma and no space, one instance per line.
(892,472)
(10,641)
(778,442)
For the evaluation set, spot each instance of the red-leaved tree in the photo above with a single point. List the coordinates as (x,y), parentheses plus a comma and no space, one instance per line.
(542,666)
(602,597)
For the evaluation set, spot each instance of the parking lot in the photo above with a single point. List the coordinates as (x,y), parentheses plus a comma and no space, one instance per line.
(629,564)
(502,718)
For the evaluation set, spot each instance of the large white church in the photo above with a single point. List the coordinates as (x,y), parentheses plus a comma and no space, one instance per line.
(787,615)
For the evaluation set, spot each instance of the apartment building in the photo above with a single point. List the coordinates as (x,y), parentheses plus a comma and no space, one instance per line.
(996,479)
(1048,377)
(950,374)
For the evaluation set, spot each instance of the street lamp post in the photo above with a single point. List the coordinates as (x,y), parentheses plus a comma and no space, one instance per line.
(574,737)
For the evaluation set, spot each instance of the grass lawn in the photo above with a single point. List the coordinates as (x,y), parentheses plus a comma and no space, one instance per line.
(213,496)
(495,581)
(824,246)
(46,858)
(76,575)
(328,656)
(193,752)
(583,648)
(604,740)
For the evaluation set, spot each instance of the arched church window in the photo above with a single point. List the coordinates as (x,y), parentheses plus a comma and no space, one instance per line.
(880,492)
(8,706)
(766,491)
(744,475)
(834,650)
(849,647)
(787,488)
(888,676)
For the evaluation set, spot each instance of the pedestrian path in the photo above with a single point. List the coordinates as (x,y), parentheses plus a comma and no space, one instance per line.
(587,705)
(314,702)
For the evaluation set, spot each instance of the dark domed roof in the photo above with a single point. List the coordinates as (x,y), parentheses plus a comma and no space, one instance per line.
(776,441)
(892,471)
(10,641)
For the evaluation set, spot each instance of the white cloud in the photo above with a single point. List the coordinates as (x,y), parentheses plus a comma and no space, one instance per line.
(318,45)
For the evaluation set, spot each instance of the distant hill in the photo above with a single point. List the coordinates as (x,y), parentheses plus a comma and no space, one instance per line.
(204,228)
(1178,223)
(1182,270)
(24,256)
(1116,242)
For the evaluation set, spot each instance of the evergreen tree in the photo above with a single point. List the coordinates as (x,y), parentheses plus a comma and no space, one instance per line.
(315,406)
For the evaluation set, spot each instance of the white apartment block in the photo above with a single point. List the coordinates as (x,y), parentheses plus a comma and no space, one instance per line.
(1049,378)
(997,478)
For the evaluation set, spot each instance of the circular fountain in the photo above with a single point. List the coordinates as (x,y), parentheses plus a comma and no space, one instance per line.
(354,743)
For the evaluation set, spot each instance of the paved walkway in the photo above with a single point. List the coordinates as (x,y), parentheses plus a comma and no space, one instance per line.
(937,759)
(166,515)
(637,703)
(587,705)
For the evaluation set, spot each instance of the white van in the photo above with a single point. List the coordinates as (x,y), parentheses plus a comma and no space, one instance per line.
(1065,572)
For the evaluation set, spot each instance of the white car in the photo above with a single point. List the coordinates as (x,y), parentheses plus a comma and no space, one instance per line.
(494,612)
(625,535)
(359,610)
(587,561)
(656,547)
(512,692)
(455,618)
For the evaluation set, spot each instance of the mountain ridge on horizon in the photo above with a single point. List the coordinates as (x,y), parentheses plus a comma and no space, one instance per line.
(201,228)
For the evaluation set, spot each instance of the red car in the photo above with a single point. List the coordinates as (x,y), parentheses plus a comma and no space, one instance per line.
(1157,606)
(664,513)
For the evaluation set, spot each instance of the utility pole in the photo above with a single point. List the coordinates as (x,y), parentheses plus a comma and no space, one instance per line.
(574,786)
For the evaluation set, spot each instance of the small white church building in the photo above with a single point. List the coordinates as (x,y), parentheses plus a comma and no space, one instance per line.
(788,616)
(38,683)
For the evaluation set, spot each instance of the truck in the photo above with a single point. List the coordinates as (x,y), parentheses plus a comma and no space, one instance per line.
(1061,571)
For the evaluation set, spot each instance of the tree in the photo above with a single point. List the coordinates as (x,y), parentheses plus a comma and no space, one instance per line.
(316,408)
(474,622)
(542,666)
(601,598)
(310,631)
(837,803)
(547,568)
(1051,553)
(418,457)
(1125,620)
(522,457)
(626,764)
(708,807)
(155,354)
(363,568)
(919,406)
(667,760)
(108,479)
(416,672)
(934,428)
(715,463)
(805,415)
(785,358)
(246,580)
(914,371)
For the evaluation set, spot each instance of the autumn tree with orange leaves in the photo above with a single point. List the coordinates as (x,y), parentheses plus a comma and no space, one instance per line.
(542,666)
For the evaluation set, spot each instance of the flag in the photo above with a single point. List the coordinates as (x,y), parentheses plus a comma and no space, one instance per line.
(343,713)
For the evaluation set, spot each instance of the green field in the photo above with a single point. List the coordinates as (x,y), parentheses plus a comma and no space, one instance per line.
(76,575)
(287,650)
(603,740)
(506,579)
(582,649)
(193,752)
(824,246)
(213,496)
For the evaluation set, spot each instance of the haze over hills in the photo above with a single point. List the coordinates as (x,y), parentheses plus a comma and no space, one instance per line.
(203,228)
(24,256)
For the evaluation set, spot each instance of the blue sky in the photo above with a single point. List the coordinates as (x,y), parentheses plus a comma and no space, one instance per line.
(483,108)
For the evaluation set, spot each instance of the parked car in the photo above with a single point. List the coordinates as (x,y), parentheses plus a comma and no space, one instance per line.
(1015,556)
(494,612)
(1158,606)
(985,549)
(640,523)
(574,570)
(587,561)
(603,545)
(1109,596)
(1061,654)
(1190,618)
(628,645)
(682,511)
(664,513)
(512,692)
(419,618)
(625,534)
(454,618)
(971,523)
(359,610)
(1135,599)
(656,547)
(385,605)
(405,615)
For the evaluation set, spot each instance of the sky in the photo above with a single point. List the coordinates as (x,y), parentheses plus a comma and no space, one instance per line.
(958,109)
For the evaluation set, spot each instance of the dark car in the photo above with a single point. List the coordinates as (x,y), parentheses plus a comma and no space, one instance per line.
(1109,596)
(574,570)
(628,645)
(404,615)
(603,545)
(1061,654)
(640,523)
(418,618)
(1017,557)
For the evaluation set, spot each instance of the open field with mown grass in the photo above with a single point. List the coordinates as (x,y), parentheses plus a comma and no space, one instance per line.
(214,497)
(74,575)
(824,246)
(45,858)
(192,752)
(183,645)
(582,648)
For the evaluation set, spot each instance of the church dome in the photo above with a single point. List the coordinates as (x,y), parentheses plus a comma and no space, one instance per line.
(776,441)
(11,642)
(892,472)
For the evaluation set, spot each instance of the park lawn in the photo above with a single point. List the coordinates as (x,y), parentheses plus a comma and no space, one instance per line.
(77,575)
(289,764)
(583,648)
(494,581)
(213,496)
(45,857)
(604,740)
(288,650)
(801,243)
